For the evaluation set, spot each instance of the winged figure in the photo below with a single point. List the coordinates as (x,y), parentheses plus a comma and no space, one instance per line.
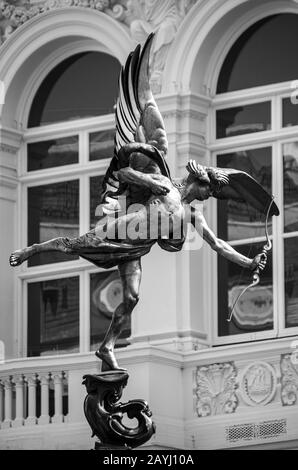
(138,173)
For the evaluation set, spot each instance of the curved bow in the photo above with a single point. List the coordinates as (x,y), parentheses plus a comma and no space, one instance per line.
(256,273)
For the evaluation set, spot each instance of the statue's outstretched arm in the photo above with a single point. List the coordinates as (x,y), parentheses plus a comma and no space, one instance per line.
(221,246)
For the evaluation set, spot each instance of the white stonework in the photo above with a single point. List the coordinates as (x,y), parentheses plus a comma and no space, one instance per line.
(205,392)
(142,18)
(216,387)
(14,14)
(258,384)
(289,381)
(162,18)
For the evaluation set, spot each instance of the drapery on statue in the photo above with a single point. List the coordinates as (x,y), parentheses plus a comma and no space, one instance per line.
(138,172)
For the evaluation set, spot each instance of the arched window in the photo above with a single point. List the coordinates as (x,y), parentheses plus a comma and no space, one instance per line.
(69,142)
(82,86)
(256,131)
(263,55)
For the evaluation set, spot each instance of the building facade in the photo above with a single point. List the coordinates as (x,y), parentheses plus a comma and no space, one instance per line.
(225,78)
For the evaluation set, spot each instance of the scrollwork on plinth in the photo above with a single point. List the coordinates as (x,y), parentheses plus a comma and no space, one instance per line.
(105,415)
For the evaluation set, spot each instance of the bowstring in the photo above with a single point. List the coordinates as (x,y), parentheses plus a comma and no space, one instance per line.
(267,247)
(241,274)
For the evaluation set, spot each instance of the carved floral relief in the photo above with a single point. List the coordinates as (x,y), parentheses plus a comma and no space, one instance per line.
(289,380)
(216,389)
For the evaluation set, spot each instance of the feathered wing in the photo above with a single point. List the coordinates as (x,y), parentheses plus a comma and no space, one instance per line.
(228,183)
(137,117)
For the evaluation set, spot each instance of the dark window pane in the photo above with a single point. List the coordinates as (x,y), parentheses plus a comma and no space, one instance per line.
(290,113)
(105,296)
(83,85)
(262,55)
(53,317)
(238,220)
(95,190)
(291,282)
(254,310)
(243,120)
(290,154)
(101,145)
(53,211)
(51,153)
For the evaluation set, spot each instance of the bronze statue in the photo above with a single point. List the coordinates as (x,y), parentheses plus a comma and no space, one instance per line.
(139,173)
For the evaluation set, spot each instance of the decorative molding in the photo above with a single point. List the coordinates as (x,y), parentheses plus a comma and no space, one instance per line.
(258,384)
(8,179)
(162,18)
(8,149)
(141,17)
(17,12)
(215,389)
(185,114)
(289,380)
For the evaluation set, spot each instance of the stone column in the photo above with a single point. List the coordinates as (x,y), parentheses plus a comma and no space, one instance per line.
(7,403)
(19,419)
(58,385)
(31,419)
(10,141)
(44,417)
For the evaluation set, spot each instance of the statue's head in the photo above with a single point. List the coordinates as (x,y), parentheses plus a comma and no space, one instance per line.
(198,184)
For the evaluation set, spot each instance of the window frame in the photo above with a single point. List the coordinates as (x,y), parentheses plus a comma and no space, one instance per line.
(275,138)
(82,171)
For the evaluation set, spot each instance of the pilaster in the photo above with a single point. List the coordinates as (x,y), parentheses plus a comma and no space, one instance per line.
(10,141)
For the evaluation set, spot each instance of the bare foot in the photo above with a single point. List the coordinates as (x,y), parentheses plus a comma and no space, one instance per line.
(108,360)
(19,256)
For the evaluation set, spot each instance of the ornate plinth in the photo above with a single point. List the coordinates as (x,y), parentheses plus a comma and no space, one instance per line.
(105,415)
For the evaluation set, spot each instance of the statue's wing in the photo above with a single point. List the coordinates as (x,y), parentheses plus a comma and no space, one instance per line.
(228,183)
(137,116)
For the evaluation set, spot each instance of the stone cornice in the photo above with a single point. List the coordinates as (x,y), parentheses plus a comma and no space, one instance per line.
(10,140)
(7,148)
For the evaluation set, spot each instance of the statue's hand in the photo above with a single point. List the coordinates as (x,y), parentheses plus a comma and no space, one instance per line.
(158,187)
(259,262)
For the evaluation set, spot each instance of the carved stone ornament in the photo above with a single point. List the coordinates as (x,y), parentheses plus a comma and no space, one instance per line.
(258,384)
(162,18)
(15,13)
(289,380)
(215,389)
(142,17)
(105,415)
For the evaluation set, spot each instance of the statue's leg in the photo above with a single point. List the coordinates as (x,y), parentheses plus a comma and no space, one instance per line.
(130,273)
(56,244)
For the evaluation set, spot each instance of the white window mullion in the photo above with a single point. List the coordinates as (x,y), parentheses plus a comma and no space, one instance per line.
(275,114)
(83,148)
(84,204)
(278,248)
(24,220)
(23,318)
(84,312)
